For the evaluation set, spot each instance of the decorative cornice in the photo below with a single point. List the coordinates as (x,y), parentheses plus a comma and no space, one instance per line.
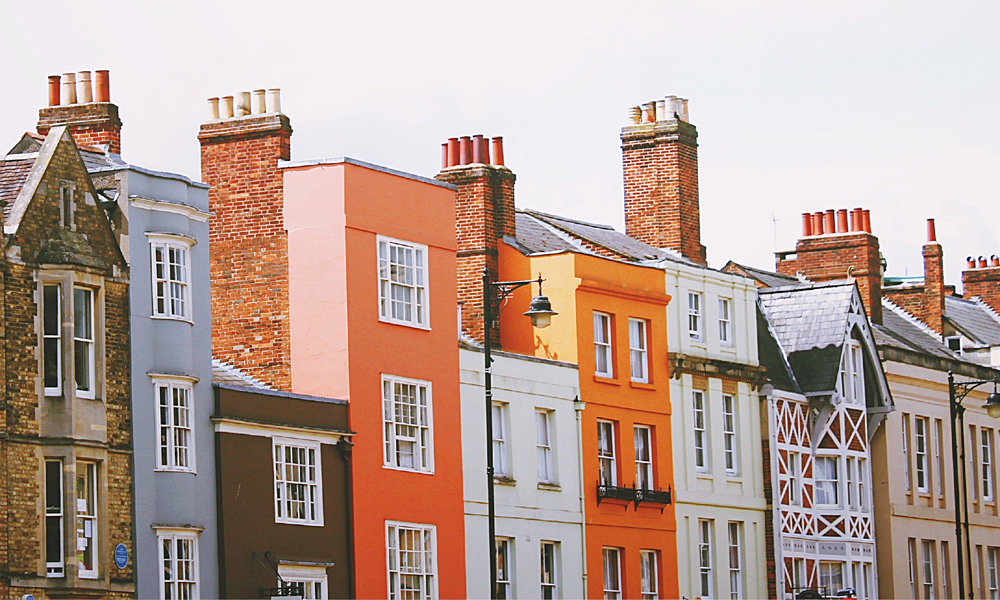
(679,363)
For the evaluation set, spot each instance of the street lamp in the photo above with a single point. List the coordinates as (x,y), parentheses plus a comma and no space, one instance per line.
(541,313)
(957,391)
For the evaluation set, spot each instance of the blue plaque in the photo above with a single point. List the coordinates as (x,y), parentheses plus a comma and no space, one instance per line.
(121,556)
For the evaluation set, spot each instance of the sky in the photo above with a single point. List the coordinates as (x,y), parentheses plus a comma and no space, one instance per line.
(800,106)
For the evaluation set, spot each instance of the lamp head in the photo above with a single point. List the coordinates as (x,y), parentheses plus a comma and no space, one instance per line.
(992,405)
(540,312)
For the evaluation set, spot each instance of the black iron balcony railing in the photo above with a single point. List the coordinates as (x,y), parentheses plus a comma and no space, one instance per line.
(661,497)
(633,495)
(605,492)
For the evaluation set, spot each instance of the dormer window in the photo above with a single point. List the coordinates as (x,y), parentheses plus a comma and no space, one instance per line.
(852,374)
(954,343)
(66,190)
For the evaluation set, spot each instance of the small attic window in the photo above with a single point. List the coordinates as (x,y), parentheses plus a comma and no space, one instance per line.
(66,190)
(954,343)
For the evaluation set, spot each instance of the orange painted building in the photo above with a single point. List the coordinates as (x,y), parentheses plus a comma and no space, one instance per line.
(612,323)
(371,271)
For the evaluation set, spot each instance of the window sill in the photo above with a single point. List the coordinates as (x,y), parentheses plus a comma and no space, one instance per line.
(638,385)
(166,318)
(404,324)
(305,523)
(734,477)
(507,481)
(406,470)
(607,380)
(549,487)
(166,470)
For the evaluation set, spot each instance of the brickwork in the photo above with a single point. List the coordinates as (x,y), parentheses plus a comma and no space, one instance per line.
(249,244)
(769,539)
(485,214)
(92,124)
(984,283)
(660,163)
(827,258)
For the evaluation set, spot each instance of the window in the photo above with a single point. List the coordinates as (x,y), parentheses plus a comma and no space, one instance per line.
(411,559)
(694,316)
(986,463)
(548,570)
(54,519)
(851,498)
(700,435)
(499,440)
(637,350)
(86,519)
(650,575)
(954,343)
(297,489)
(179,557)
(827,482)
(406,406)
(705,558)
(612,574)
(866,593)
(602,345)
(920,439)
(174,425)
(857,373)
(831,577)
(992,559)
(66,192)
(543,445)
(794,478)
(171,279)
(906,451)
(503,568)
(945,570)
(911,545)
(863,483)
(606,452)
(798,574)
(938,457)
(402,287)
(729,433)
(927,548)
(310,582)
(83,340)
(643,458)
(725,322)
(52,339)
(735,564)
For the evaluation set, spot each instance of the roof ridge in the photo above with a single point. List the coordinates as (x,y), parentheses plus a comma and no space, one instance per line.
(807,285)
(910,318)
(562,234)
(236,372)
(561,218)
(986,307)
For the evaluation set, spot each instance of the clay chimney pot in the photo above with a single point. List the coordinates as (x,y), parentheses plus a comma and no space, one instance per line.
(994,260)
(971,262)
(102,79)
(931,232)
(54,90)
(453,156)
(213,109)
(498,151)
(69,88)
(477,149)
(86,92)
(982,262)
(842,220)
(831,222)
(866,220)
(807,229)
(464,150)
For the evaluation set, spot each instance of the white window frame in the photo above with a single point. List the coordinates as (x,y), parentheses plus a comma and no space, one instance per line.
(992,558)
(549,569)
(307,576)
(927,562)
(856,375)
(638,341)
(986,462)
(826,571)
(47,335)
(643,460)
(423,438)
(700,431)
(851,498)
(945,570)
(312,481)
(906,451)
(171,287)
(863,484)
(920,448)
(735,530)
(543,445)
(86,518)
(794,478)
(612,573)
(938,456)
(729,436)
(67,202)
(649,574)
(503,545)
(170,429)
(58,515)
(500,448)
(725,322)
(606,454)
(706,587)
(602,346)
(175,537)
(427,535)
(695,316)
(911,550)
(89,343)
(414,278)
(823,481)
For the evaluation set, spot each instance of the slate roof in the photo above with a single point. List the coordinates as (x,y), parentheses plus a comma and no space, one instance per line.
(772,357)
(13,174)
(766,278)
(810,323)
(973,319)
(899,330)
(226,373)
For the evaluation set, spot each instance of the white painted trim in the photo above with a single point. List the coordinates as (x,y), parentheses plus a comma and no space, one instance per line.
(191,378)
(426,287)
(175,533)
(171,207)
(172,237)
(235,426)
(309,445)
(430,422)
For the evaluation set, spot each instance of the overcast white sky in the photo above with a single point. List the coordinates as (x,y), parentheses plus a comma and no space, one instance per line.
(800,106)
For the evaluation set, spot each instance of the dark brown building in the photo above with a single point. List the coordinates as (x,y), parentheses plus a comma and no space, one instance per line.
(283,490)
(65,431)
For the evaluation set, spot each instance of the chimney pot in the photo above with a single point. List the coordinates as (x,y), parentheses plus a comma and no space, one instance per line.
(856,219)
(807,229)
(453,155)
(994,260)
(242,104)
(486,151)
(273,103)
(684,110)
(817,223)
(103,82)
(213,109)
(259,104)
(931,232)
(649,112)
(982,262)
(69,88)
(661,110)
(227,107)
(842,220)
(498,151)
(464,151)
(971,260)
(635,115)
(866,220)
(86,92)
(54,83)
(444,156)
(831,222)
(477,149)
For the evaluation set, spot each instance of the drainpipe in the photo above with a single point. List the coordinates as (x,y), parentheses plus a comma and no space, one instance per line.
(345,446)
(579,406)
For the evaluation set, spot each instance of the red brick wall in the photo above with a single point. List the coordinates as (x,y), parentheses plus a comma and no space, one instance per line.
(984,283)
(249,245)
(91,124)
(827,258)
(660,164)
(925,302)
(484,214)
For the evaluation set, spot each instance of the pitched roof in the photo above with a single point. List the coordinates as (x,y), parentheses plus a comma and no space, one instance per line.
(772,357)
(762,277)
(902,330)
(13,174)
(223,372)
(974,319)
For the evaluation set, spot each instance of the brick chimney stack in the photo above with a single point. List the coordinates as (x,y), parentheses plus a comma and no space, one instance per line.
(240,149)
(484,215)
(91,117)
(934,289)
(660,162)
(829,246)
(983,280)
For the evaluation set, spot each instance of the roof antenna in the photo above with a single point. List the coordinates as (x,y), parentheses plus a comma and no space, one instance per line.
(774,221)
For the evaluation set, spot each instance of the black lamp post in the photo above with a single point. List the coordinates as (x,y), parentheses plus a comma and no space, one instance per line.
(957,391)
(541,313)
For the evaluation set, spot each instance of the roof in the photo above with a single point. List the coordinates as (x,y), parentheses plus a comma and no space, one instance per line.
(902,330)
(772,357)
(225,373)
(810,323)
(974,319)
(13,174)
(764,278)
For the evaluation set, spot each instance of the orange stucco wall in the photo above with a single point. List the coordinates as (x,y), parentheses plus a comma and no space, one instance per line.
(341,349)
(578,285)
